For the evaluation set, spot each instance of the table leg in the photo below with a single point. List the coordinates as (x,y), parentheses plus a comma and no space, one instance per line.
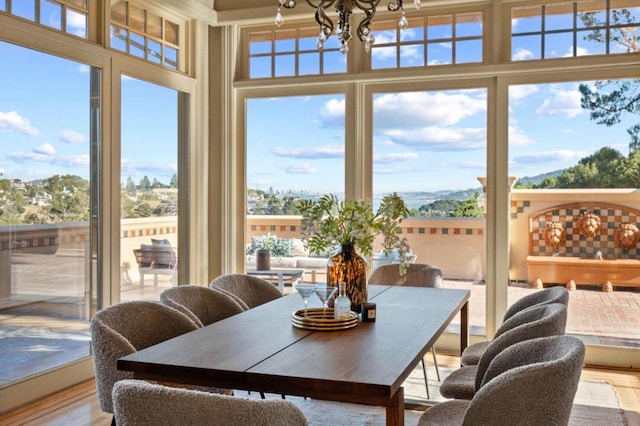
(464,327)
(281,282)
(395,413)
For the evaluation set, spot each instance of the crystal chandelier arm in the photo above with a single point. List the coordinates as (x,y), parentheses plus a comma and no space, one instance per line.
(369,8)
(393,6)
(326,24)
(289,4)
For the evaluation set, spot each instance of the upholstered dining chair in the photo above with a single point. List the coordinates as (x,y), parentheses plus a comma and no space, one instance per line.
(125,328)
(416,275)
(557,294)
(541,321)
(251,291)
(530,383)
(139,403)
(203,305)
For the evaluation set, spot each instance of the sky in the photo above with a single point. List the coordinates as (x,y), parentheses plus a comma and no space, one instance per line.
(423,141)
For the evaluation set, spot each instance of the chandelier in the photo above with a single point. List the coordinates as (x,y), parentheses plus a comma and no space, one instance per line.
(345,9)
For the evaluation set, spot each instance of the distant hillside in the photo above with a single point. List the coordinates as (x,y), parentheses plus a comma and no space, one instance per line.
(537,180)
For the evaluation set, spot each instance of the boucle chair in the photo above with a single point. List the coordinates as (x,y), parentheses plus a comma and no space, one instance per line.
(557,294)
(203,305)
(416,275)
(252,291)
(138,403)
(531,383)
(125,328)
(541,321)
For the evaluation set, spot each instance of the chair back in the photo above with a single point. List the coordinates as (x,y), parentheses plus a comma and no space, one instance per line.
(203,305)
(416,275)
(252,291)
(533,382)
(541,321)
(555,294)
(125,328)
(539,298)
(139,403)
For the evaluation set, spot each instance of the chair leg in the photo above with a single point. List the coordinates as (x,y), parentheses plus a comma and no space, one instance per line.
(262,395)
(435,362)
(113,421)
(426,381)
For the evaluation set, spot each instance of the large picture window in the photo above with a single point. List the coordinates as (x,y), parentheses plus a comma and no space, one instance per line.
(579,28)
(144,34)
(68,16)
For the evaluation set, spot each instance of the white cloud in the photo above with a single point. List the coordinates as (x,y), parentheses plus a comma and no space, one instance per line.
(518,138)
(299,169)
(21,157)
(396,169)
(521,91)
(424,109)
(522,54)
(326,151)
(412,109)
(12,122)
(71,136)
(141,168)
(440,138)
(76,20)
(332,113)
(46,149)
(563,102)
(72,161)
(395,157)
(548,157)
(580,51)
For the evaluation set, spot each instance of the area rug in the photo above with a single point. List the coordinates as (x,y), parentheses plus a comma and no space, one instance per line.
(596,404)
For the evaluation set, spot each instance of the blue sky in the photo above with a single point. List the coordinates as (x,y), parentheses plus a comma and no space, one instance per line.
(423,141)
(51,135)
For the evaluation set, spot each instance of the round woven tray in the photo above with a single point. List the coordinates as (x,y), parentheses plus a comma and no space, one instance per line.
(322,319)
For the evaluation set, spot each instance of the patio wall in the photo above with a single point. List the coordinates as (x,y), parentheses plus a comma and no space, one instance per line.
(524,230)
(456,245)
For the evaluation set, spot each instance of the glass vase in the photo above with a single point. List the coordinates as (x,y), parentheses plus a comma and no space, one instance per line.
(350,267)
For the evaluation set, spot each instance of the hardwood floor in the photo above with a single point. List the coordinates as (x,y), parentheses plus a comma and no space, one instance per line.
(78,405)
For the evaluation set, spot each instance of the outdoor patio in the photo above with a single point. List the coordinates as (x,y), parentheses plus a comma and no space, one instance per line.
(39,335)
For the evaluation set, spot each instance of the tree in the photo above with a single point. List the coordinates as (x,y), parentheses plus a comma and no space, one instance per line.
(130,188)
(144,210)
(69,197)
(610,99)
(606,168)
(468,208)
(289,206)
(145,184)
(173,183)
(439,208)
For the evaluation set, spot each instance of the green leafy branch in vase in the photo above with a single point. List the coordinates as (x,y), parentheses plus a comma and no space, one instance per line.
(328,223)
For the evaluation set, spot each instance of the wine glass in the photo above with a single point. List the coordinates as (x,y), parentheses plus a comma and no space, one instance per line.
(305,290)
(324,293)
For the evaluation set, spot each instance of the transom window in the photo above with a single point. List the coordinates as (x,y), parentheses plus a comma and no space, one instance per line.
(145,35)
(293,52)
(428,41)
(579,28)
(67,16)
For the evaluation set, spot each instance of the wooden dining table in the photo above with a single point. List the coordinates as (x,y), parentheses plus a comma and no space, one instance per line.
(260,350)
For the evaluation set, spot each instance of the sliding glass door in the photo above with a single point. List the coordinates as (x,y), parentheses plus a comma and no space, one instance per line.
(149,189)
(49,175)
